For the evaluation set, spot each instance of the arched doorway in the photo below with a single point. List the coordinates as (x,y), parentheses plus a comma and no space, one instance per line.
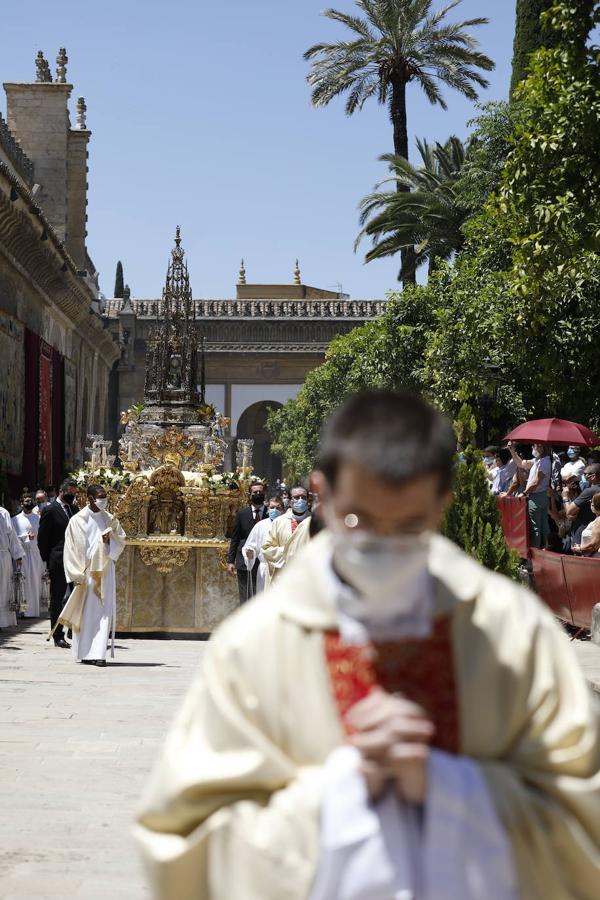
(252,424)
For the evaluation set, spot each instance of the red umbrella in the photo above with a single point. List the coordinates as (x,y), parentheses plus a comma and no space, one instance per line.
(553,431)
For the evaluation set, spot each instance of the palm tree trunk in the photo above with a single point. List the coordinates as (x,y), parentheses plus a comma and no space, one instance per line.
(400,125)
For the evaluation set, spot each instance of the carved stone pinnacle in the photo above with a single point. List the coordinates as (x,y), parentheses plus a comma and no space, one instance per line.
(81,114)
(61,66)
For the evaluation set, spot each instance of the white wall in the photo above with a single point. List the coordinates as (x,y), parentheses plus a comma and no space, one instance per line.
(244,395)
(215,394)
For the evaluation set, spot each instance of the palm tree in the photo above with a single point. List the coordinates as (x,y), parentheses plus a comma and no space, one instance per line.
(398,42)
(425,215)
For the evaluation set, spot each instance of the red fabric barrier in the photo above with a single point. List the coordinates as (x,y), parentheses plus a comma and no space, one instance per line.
(550,582)
(515,524)
(582,576)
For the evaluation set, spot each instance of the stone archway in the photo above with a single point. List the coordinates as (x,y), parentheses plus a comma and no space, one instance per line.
(252,424)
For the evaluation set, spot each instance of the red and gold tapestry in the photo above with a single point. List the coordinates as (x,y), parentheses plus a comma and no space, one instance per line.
(45,408)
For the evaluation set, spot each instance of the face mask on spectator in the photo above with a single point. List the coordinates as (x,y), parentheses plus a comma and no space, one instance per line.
(299,506)
(571,453)
(536,454)
(584,483)
(274,514)
(488,460)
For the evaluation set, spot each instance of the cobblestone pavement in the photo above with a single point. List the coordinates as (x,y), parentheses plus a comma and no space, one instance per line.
(76,745)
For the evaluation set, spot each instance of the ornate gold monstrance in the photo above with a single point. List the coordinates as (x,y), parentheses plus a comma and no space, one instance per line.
(179,510)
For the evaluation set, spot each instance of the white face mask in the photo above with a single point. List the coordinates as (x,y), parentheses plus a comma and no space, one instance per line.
(101,502)
(389,574)
(536,454)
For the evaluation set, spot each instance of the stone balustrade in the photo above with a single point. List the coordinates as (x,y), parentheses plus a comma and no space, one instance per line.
(259,309)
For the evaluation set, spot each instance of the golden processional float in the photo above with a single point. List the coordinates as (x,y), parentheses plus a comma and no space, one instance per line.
(172,497)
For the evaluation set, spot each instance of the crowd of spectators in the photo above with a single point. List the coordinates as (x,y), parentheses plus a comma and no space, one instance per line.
(560,488)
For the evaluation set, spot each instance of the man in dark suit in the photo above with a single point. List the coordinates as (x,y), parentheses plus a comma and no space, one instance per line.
(51,542)
(245,521)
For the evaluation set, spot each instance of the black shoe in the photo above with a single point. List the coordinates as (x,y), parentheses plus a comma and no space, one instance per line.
(101,663)
(62,643)
(87,662)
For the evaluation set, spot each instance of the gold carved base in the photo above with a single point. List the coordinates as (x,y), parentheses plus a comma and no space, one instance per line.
(193,596)
(172,576)
(164,559)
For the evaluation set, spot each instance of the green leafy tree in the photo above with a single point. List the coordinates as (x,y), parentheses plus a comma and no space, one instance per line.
(119,283)
(473,519)
(550,197)
(393,44)
(490,143)
(525,292)
(387,352)
(429,217)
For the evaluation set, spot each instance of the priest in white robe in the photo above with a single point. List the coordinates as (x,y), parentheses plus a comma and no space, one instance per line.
(94,540)
(26,525)
(10,549)
(253,548)
(390,719)
(288,535)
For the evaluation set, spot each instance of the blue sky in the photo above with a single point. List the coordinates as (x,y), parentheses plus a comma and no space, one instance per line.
(201,116)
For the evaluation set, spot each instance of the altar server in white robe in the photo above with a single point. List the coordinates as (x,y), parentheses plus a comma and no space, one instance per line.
(94,540)
(10,549)
(253,548)
(390,720)
(26,525)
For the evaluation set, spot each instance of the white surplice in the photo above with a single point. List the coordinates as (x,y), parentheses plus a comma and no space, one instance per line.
(26,524)
(255,542)
(98,614)
(457,849)
(10,548)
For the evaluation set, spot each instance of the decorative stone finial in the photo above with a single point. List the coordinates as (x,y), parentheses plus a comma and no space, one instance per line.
(297,279)
(242,275)
(81,112)
(61,66)
(42,69)
(178,235)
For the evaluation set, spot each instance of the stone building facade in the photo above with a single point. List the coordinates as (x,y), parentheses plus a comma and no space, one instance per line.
(55,351)
(259,348)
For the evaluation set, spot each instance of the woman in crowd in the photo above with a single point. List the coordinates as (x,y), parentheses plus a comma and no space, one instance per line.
(505,472)
(590,536)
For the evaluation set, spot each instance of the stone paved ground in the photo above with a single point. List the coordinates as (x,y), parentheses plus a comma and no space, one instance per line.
(76,744)
(588,655)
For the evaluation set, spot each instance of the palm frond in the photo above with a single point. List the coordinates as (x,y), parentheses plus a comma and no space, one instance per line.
(426,214)
(395,42)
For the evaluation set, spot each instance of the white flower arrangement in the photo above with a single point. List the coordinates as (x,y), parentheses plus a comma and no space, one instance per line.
(117,479)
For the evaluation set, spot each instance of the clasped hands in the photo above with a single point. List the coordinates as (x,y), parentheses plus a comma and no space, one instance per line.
(392,735)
